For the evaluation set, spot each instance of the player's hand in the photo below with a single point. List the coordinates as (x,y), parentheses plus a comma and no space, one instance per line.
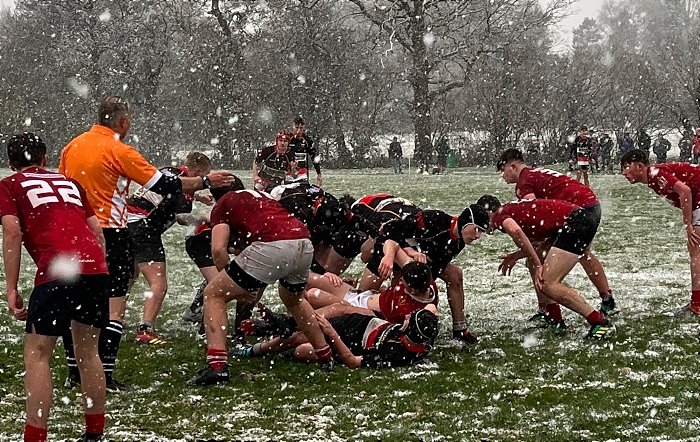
(220,178)
(248,298)
(693,237)
(319,180)
(386,267)
(335,280)
(420,257)
(16,304)
(323,323)
(507,263)
(205,199)
(539,277)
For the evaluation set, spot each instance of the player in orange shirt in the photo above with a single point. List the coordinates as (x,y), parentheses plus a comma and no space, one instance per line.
(105,167)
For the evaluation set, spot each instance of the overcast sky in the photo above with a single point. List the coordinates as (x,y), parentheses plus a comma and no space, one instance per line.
(583,9)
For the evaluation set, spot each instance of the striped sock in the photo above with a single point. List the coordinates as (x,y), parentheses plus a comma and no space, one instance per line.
(217,358)
(323,354)
(110,338)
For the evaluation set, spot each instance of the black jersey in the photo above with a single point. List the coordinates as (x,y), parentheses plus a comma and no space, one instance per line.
(379,342)
(156,211)
(428,232)
(272,166)
(303,151)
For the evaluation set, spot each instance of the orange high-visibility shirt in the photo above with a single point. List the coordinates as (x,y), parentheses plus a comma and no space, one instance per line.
(105,167)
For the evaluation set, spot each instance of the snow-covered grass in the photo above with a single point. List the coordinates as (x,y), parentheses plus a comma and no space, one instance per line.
(517,384)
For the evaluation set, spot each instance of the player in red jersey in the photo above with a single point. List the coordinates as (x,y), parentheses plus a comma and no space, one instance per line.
(570,229)
(50,214)
(531,183)
(274,246)
(679,183)
(413,291)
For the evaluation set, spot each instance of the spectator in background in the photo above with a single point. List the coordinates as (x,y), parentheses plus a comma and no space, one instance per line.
(685,146)
(696,146)
(606,151)
(442,148)
(396,155)
(661,148)
(643,141)
(595,152)
(533,152)
(625,144)
(581,148)
(301,149)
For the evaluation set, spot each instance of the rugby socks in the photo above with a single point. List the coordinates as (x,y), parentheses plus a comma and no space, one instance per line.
(608,294)
(35,434)
(110,338)
(695,301)
(73,372)
(217,358)
(94,426)
(459,325)
(596,318)
(554,312)
(541,307)
(324,353)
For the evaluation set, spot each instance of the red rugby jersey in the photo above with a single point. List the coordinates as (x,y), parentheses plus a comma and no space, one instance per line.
(550,184)
(539,218)
(662,177)
(53,212)
(253,216)
(395,303)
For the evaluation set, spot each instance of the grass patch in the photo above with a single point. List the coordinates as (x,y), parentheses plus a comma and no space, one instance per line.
(517,384)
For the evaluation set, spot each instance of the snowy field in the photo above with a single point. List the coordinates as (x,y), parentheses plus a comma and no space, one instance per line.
(516,384)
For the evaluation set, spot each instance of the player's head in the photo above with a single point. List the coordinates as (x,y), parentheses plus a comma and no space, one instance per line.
(634,166)
(26,150)
(472,222)
(417,276)
(490,203)
(510,164)
(328,218)
(115,113)
(198,164)
(219,192)
(282,141)
(299,127)
(421,327)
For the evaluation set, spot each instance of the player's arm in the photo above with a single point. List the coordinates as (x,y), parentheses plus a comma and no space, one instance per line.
(521,240)
(256,177)
(342,350)
(94,225)
(190,219)
(529,196)
(220,234)
(685,196)
(393,233)
(315,160)
(12,257)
